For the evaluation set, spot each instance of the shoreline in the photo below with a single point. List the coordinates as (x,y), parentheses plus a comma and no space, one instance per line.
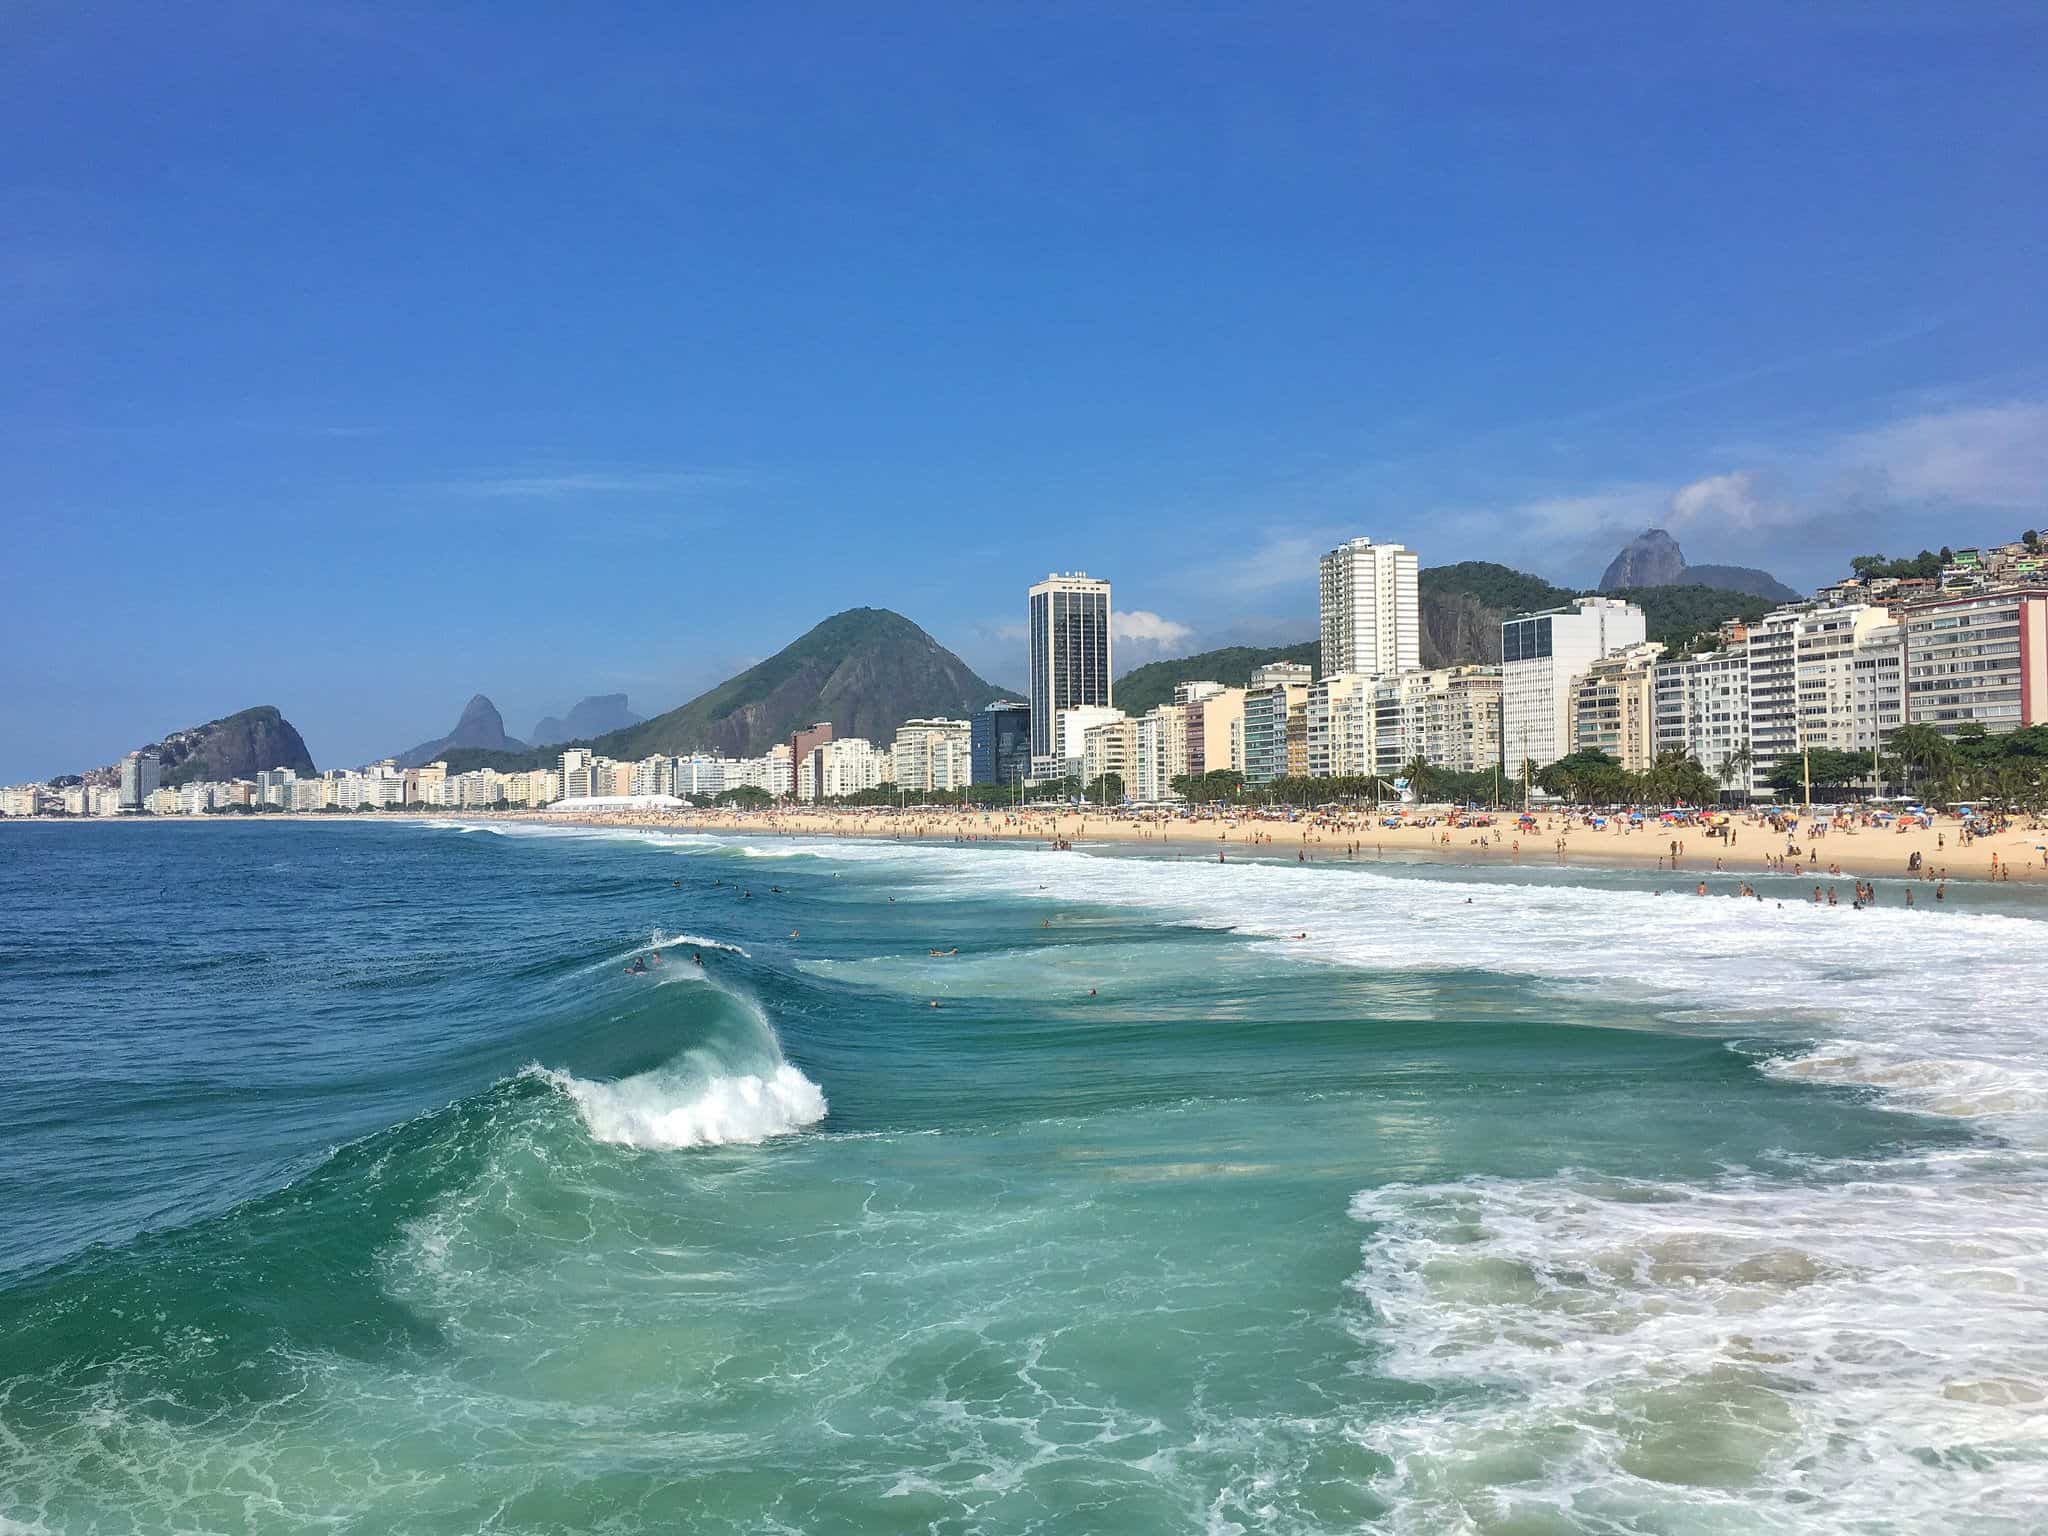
(1556,842)
(1843,853)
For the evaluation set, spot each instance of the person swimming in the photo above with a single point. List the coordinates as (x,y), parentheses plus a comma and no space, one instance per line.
(696,959)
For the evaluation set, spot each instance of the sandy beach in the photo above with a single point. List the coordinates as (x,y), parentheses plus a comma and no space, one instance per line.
(1845,849)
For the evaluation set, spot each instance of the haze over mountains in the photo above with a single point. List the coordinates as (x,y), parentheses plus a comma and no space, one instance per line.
(594,716)
(866,670)
(480,726)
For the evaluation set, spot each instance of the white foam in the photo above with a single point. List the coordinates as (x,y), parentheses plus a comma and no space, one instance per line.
(1860,1355)
(690,941)
(665,1110)
(1941,985)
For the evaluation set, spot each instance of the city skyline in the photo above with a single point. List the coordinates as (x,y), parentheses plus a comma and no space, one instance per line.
(337,342)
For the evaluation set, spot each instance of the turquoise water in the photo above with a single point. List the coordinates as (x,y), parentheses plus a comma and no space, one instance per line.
(349,1183)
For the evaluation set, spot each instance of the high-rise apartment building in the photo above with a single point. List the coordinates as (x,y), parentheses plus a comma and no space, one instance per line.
(1162,753)
(1542,654)
(141,774)
(1613,706)
(1700,706)
(1276,722)
(933,754)
(1371,609)
(1979,659)
(1447,716)
(1338,724)
(1069,627)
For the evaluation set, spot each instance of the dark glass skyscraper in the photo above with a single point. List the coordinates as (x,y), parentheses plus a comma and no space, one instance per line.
(1000,744)
(1069,652)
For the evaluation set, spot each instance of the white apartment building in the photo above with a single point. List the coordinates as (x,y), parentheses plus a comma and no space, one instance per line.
(933,755)
(1824,672)
(699,774)
(1979,659)
(773,772)
(1109,747)
(579,775)
(1701,708)
(1877,687)
(1447,716)
(1339,724)
(848,765)
(1542,655)
(1162,753)
(1371,609)
(1773,652)
(653,776)
(1070,727)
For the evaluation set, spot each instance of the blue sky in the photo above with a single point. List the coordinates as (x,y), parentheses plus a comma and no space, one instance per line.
(361,357)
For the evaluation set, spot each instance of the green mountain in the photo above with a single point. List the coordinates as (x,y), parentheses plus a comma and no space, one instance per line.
(237,746)
(866,670)
(1151,685)
(1462,608)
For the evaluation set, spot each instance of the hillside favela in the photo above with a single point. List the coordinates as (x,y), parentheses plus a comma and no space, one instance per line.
(1023,771)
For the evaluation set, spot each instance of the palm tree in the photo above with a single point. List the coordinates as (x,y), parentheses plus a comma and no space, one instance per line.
(1418,774)
(1921,751)
(1736,765)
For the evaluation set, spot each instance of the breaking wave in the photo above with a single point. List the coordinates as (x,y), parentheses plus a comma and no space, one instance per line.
(675,1107)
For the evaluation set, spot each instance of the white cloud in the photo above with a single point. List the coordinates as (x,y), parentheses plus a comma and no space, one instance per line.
(1146,628)
(1986,456)
(1720,501)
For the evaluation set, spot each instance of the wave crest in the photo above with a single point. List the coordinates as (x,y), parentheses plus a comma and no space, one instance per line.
(666,1110)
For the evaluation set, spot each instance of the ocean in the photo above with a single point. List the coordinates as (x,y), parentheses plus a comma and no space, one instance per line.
(349,1182)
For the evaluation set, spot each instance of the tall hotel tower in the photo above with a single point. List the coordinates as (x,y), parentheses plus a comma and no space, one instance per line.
(1372,614)
(1069,652)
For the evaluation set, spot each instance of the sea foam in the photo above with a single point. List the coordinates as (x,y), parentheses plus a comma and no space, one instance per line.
(669,1108)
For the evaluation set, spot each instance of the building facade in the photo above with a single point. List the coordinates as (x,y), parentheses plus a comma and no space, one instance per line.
(1276,722)
(1161,754)
(1338,725)
(141,775)
(1701,708)
(1542,654)
(1613,707)
(1980,659)
(933,755)
(1371,609)
(1215,721)
(1447,716)
(1000,743)
(1070,655)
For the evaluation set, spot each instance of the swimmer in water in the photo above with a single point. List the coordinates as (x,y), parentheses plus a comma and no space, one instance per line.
(696,959)
(655,958)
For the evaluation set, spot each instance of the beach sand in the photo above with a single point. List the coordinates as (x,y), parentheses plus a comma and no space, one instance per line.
(1843,852)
